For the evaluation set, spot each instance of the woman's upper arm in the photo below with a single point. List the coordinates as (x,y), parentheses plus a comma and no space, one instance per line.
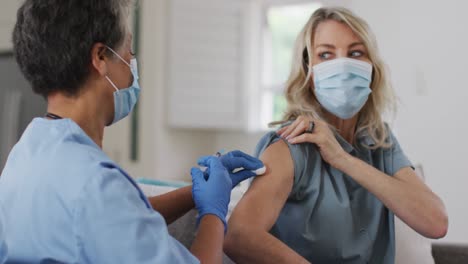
(267,195)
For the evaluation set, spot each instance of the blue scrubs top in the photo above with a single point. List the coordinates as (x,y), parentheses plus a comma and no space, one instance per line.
(3,245)
(65,201)
(328,217)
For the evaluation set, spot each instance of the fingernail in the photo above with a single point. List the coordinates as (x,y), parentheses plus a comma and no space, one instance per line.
(288,137)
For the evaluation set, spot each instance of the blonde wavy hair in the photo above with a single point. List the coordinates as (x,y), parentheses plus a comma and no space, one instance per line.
(301,98)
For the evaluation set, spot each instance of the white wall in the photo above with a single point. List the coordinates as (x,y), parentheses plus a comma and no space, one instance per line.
(424,44)
(7,21)
(164,153)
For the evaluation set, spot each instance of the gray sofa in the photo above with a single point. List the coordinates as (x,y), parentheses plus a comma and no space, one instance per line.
(184,231)
(450,254)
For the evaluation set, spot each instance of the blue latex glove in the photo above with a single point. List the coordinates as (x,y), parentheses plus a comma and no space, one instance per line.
(234,160)
(212,194)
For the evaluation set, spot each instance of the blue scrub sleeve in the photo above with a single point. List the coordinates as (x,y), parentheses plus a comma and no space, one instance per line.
(3,245)
(114,225)
(395,158)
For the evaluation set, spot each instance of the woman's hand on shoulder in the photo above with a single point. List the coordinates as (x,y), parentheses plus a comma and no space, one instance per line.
(309,130)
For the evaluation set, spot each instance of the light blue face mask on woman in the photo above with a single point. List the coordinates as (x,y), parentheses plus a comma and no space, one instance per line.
(125,99)
(342,85)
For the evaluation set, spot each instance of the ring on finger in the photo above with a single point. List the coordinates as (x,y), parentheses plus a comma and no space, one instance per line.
(310,128)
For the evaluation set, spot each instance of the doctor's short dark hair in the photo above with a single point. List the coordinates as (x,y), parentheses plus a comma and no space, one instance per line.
(52,39)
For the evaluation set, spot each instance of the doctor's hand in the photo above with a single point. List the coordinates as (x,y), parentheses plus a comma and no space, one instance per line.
(240,166)
(211,194)
(317,132)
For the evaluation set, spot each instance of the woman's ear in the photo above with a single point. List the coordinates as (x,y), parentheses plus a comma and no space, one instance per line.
(99,58)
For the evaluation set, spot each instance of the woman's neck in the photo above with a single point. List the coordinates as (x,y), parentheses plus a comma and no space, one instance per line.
(84,110)
(346,128)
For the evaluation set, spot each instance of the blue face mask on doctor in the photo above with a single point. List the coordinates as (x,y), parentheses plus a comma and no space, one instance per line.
(125,99)
(342,85)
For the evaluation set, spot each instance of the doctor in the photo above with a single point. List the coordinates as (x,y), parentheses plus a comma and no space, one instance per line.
(65,201)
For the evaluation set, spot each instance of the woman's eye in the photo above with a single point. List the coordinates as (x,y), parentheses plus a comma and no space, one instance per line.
(325,55)
(356,54)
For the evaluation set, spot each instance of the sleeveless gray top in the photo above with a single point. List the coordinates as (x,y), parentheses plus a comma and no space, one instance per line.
(328,217)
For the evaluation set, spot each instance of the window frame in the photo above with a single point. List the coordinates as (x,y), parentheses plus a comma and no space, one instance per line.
(274,89)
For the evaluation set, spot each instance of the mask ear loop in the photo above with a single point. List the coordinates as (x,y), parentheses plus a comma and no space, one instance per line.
(112,83)
(116,54)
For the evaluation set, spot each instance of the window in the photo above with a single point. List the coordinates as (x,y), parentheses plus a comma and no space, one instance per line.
(282,24)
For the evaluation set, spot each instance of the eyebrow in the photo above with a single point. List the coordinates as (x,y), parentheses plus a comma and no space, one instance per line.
(330,46)
(352,45)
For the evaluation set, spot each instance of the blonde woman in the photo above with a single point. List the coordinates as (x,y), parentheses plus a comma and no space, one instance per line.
(336,174)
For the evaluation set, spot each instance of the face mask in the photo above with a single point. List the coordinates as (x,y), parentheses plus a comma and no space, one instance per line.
(342,85)
(125,99)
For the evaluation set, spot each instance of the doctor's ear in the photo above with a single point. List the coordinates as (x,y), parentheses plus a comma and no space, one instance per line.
(100,58)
